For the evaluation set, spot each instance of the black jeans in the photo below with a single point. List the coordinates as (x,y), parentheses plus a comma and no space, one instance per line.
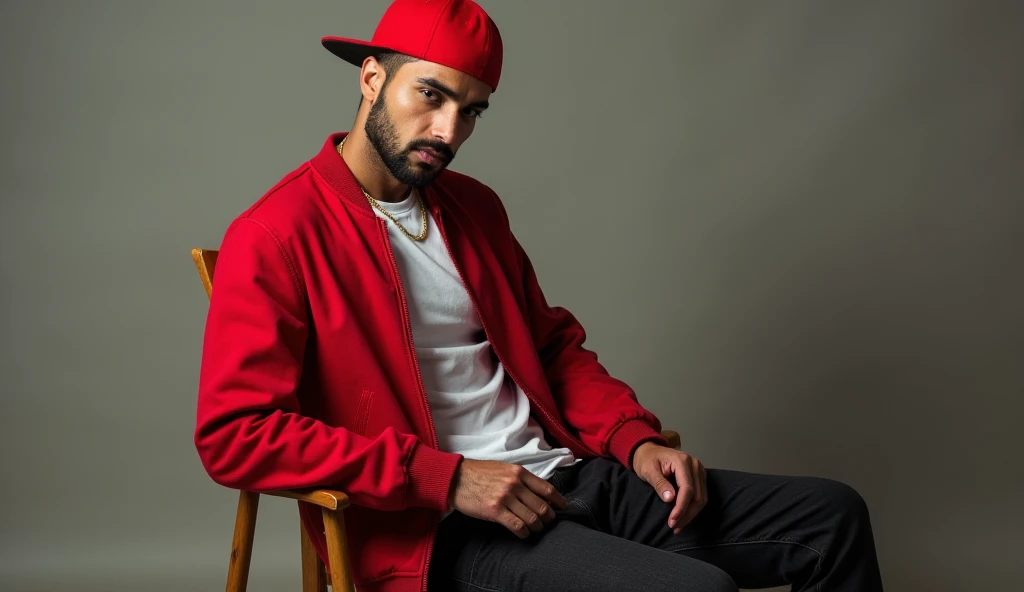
(756,531)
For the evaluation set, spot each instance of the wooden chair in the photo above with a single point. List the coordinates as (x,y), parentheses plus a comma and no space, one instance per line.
(314,574)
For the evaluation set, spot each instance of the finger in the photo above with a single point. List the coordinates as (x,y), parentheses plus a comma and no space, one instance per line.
(532,519)
(700,496)
(545,490)
(512,522)
(701,475)
(684,482)
(537,505)
(661,485)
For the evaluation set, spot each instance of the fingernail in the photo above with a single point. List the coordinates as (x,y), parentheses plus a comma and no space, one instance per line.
(667,495)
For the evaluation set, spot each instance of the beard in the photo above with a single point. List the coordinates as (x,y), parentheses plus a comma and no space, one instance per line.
(383,135)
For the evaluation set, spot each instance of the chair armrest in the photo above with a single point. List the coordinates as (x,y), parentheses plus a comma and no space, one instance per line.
(673,438)
(325,498)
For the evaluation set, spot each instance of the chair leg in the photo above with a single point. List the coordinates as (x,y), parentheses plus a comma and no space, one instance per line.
(337,551)
(241,544)
(314,576)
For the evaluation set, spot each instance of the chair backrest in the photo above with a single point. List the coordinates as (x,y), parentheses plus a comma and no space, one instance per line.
(206,260)
(314,573)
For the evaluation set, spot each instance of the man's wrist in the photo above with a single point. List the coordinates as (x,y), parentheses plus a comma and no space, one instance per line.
(641,451)
(642,448)
(453,485)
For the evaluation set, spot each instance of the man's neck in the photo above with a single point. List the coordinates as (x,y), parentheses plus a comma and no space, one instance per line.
(370,171)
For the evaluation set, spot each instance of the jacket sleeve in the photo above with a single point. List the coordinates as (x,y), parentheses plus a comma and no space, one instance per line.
(250,433)
(604,410)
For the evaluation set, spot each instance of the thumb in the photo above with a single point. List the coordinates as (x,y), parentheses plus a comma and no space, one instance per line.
(663,486)
(653,472)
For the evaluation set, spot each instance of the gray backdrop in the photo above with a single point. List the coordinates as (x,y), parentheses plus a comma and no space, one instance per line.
(793,226)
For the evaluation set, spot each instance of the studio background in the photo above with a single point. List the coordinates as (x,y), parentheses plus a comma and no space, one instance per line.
(794,227)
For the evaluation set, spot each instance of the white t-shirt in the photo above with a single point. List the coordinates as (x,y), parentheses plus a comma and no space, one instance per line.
(478,410)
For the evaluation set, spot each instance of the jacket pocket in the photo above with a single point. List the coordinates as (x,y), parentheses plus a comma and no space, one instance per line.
(363,411)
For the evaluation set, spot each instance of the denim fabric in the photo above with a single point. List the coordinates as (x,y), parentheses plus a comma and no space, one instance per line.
(757,531)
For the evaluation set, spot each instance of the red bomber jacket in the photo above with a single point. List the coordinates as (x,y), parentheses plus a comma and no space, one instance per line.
(309,378)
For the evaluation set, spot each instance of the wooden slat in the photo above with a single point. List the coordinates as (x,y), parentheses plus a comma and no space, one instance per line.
(325,498)
(314,577)
(337,551)
(206,262)
(241,543)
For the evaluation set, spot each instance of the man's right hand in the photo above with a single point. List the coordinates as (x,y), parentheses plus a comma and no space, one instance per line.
(504,493)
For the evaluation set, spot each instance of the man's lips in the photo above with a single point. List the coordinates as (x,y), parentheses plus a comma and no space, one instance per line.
(430,156)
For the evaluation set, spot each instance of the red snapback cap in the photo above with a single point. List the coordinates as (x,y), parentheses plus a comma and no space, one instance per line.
(453,33)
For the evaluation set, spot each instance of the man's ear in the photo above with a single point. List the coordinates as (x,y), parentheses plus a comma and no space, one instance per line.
(371,78)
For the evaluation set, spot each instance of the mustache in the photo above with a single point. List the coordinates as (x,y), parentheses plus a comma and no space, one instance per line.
(436,145)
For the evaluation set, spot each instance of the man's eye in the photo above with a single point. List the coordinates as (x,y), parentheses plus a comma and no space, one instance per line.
(429,94)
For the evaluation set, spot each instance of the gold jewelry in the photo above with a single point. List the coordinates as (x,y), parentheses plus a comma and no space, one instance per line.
(423,210)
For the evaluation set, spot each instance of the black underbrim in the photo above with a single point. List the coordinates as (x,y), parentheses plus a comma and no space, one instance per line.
(352,51)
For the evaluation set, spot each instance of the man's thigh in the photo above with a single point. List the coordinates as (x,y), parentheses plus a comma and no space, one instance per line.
(474,555)
(763,530)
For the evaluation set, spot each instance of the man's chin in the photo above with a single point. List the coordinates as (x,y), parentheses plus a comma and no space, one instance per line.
(425,174)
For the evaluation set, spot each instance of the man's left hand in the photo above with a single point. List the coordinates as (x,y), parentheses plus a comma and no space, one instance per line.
(655,464)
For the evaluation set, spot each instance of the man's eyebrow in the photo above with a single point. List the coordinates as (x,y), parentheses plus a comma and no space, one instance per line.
(450,93)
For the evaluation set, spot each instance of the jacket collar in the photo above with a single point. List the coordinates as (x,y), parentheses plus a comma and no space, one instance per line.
(334,170)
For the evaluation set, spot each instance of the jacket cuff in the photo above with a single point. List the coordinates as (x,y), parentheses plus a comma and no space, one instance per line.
(430,475)
(629,436)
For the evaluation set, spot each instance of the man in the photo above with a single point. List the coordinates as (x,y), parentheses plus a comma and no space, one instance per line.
(377,328)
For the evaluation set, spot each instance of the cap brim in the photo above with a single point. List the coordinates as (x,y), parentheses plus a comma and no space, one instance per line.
(352,51)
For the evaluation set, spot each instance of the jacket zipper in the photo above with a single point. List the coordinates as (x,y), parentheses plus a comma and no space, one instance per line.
(501,359)
(407,325)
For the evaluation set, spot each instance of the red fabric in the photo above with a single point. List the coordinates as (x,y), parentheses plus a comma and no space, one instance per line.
(453,33)
(308,377)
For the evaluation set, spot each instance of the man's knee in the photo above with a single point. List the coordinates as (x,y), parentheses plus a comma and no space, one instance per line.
(719,581)
(714,579)
(694,575)
(844,503)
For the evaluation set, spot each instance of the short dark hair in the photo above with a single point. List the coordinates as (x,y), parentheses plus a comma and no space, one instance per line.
(390,61)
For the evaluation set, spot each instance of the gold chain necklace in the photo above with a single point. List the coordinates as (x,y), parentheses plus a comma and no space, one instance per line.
(423,210)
